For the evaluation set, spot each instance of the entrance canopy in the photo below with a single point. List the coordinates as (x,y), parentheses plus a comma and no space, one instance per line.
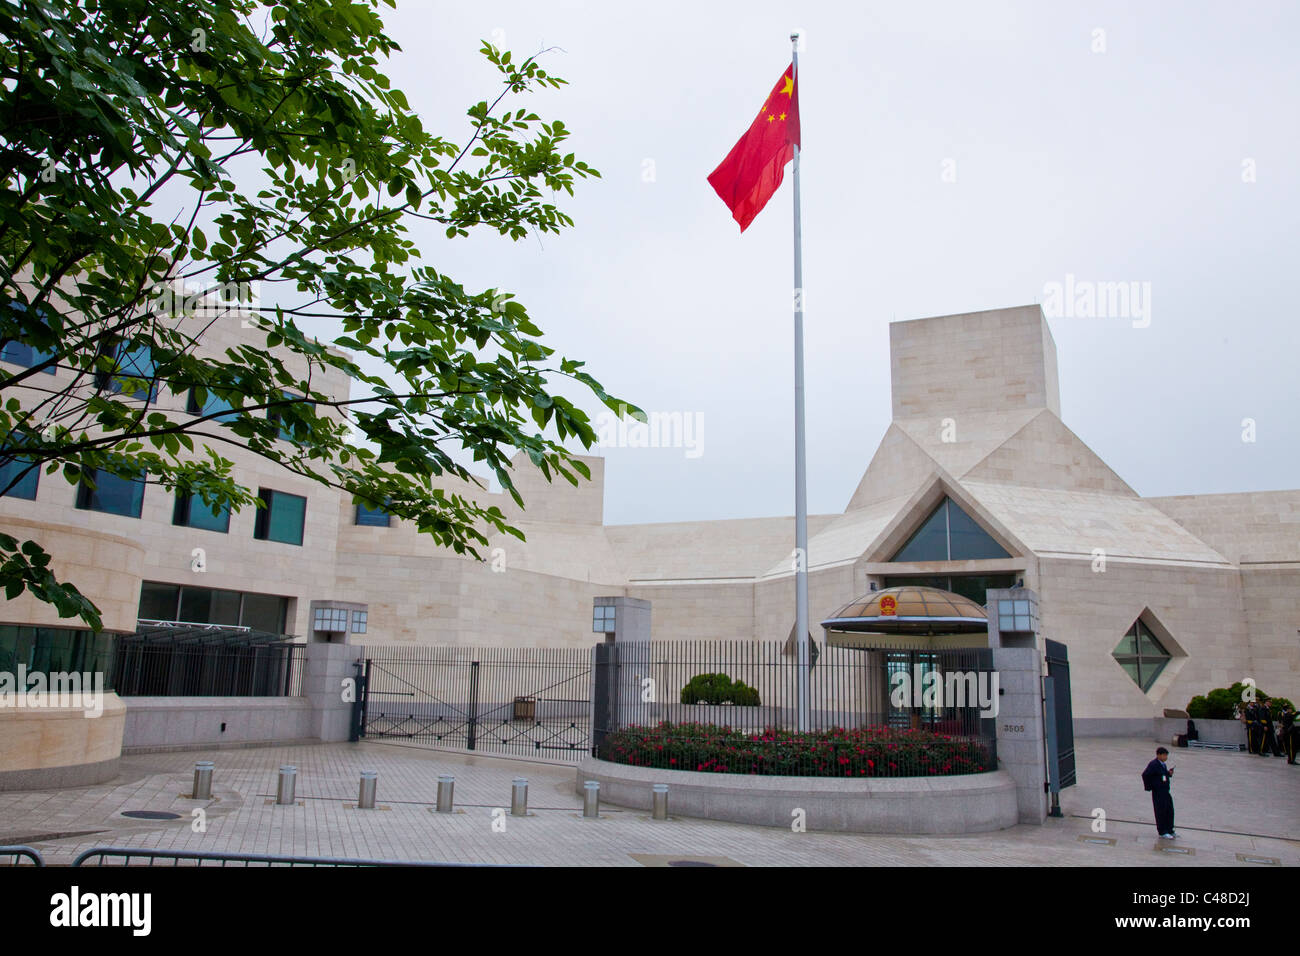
(909,610)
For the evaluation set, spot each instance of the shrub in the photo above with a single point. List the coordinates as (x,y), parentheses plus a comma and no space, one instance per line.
(1218,704)
(718,689)
(860,752)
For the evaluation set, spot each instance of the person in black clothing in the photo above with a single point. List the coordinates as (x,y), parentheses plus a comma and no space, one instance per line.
(1252,728)
(1290,733)
(1156,778)
(1267,737)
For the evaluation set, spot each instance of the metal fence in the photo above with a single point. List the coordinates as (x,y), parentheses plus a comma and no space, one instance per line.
(98,856)
(733,707)
(20,856)
(517,700)
(171,669)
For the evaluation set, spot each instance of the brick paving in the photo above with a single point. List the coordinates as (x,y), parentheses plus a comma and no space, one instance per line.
(1217,826)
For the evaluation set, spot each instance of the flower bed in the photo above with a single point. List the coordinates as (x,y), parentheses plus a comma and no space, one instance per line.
(860,752)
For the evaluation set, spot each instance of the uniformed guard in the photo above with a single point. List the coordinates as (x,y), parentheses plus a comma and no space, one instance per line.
(1289,734)
(1156,778)
(1252,727)
(1267,736)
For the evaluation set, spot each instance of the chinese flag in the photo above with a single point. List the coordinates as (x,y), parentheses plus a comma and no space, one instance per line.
(753,169)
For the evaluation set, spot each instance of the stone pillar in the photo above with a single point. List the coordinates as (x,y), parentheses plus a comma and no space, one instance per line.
(328,667)
(1021,731)
(627,626)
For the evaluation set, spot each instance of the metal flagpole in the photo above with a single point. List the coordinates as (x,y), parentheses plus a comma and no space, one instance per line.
(800,468)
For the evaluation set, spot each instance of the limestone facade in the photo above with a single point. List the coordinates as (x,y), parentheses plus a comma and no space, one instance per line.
(977,419)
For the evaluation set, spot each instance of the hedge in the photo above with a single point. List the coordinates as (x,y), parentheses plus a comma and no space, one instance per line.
(838,752)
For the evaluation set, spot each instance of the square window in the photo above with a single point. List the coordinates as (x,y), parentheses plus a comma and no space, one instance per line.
(211,405)
(1022,607)
(359,622)
(373,517)
(18,478)
(603,620)
(19,352)
(274,414)
(1006,608)
(192,511)
(112,495)
(282,517)
(131,363)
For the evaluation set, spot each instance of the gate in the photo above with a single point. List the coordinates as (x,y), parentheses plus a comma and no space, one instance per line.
(524,701)
(1059,719)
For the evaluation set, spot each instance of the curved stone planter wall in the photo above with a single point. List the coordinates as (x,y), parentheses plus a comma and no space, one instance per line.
(54,747)
(974,803)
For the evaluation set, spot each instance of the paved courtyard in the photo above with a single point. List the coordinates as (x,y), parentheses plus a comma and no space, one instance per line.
(1232,810)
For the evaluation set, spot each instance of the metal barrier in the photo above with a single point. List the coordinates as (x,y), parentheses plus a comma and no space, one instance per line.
(199,858)
(17,854)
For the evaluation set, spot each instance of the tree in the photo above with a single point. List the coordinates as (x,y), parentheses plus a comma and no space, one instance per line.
(108,107)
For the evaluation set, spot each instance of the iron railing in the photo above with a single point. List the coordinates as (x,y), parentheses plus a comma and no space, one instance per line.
(518,700)
(171,669)
(97,855)
(15,855)
(871,712)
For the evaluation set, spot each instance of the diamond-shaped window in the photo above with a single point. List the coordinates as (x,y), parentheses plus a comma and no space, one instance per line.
(1141,655)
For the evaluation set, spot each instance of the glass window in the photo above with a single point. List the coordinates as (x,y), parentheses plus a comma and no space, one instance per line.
(282,517)
(192,511)
(331,619)
(950,534)
(158,602)
(930,541)
(49,650)
(359,619)
(265,612)
(169,602)
(373,517)
(972,586)
(111,494)
(603,619)
(133,362)
(274,415)
(19,352)
(210,406)
(18,478)
(970,542)
(1141,655)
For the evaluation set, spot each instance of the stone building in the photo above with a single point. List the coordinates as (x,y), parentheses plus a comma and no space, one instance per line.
(976,484)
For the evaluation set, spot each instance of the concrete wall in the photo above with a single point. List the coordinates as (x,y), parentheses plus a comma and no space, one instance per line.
(184,723)
(974,803)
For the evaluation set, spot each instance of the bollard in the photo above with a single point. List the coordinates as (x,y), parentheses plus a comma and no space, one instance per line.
(660,791)
(591,799)
(202,780)
(366,797)
(284,790)
(446,792)
(519,797)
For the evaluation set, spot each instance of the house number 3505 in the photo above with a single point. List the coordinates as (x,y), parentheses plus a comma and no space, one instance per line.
(1013,728)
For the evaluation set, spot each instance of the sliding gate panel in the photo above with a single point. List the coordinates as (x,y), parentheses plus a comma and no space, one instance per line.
(525,701)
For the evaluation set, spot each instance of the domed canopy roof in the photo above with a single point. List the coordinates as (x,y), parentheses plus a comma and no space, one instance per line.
(910,609)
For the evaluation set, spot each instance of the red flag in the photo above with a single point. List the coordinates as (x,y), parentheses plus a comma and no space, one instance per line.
(753,170)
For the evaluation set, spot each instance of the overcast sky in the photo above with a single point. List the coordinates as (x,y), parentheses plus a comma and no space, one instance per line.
(1124,164)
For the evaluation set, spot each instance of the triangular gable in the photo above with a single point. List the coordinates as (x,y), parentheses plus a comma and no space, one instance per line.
(921,506)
